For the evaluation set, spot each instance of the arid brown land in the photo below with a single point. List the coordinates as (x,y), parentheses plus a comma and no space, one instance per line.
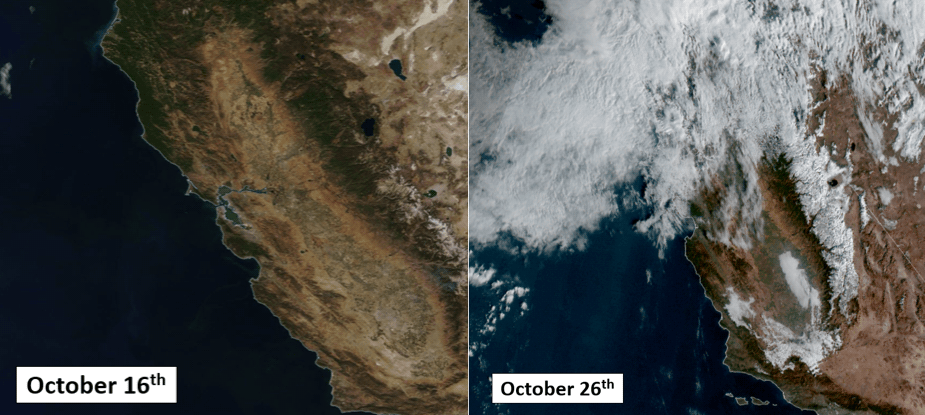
(878,363)
(346,182)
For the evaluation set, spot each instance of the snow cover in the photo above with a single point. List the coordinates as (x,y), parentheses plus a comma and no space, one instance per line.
(811,346)
(676,92)
(397,188)
(865,214)
(825,208)
(672,91)
(889,224)
(885,195)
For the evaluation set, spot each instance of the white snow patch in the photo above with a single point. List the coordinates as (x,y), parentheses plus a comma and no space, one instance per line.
(825,208)
(811,347)
(396,187)
(889,224)
(865,213)
(459,83)
(885,195)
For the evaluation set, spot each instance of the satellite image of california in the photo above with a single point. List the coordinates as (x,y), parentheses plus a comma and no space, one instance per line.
(373,207)
(704,196)
(331,138)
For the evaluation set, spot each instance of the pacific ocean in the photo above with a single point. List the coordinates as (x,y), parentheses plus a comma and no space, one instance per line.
(105,261)
(614,306)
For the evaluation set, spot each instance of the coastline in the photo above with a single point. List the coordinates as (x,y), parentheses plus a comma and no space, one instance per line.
(219,219)
(228,237)
(658,330)
(729,337)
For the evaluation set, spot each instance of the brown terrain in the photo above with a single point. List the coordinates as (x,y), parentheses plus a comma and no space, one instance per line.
(360,238)
(879,367)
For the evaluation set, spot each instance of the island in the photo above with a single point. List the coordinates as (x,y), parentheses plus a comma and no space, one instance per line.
(825,296)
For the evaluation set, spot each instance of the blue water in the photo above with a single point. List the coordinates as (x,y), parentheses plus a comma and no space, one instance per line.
(368,126)
(395,66)
(105,261)
(595,311)
(517,21)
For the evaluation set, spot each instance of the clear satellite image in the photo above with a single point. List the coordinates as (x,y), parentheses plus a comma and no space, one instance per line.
(270,196)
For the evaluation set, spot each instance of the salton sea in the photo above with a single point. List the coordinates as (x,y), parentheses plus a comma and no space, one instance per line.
(105,261)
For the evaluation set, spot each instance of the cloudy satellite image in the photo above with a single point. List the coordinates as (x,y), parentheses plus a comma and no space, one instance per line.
(326,206)
(719,199)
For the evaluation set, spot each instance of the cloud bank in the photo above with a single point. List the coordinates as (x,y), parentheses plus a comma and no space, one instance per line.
(674,92)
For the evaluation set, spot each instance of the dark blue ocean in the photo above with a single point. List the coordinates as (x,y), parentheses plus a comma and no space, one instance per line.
(105,262)
(597,311)
(615,307)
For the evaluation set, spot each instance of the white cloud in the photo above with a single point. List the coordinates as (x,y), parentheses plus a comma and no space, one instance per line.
(511,295)
(479,276)
(5,88)
(811,346)
(780,342)
(681,93)
(499,312)
(738,309)
(506,307)
(798,281)
(604,99)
